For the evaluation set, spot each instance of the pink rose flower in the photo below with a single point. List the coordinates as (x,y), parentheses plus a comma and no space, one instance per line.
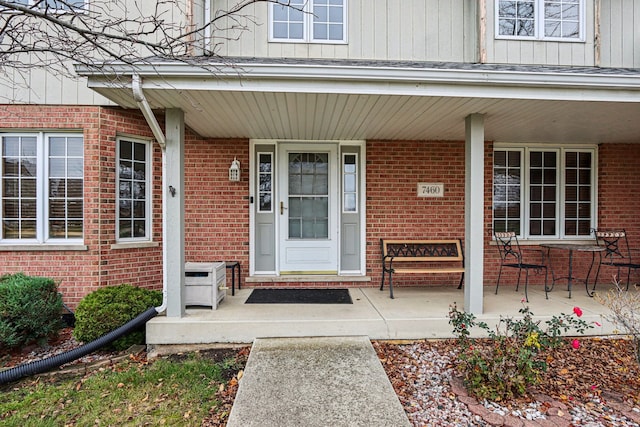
(575,344)
(577,311)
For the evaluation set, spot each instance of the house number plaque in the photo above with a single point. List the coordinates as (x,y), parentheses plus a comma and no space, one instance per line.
(430,189)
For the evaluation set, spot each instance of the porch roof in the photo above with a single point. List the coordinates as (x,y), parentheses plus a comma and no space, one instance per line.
(355,100)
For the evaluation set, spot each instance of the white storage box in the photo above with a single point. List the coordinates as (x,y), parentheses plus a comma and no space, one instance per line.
(205,283)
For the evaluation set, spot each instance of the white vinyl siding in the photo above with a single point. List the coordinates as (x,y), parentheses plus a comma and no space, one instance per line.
(42,188)
(412,30)
(619,35)
(47,85)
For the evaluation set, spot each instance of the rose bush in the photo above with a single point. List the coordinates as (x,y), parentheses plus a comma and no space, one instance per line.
(512,359)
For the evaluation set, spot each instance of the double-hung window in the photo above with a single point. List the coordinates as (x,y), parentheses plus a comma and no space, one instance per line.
(544,192)
(540,19)
(310,21)
(42,188)
(134,190)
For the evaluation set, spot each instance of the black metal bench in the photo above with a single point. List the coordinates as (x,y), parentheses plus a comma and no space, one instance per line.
(421,257)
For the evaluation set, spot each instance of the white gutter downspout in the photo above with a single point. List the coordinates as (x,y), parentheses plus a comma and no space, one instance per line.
(145,108)
(141,100)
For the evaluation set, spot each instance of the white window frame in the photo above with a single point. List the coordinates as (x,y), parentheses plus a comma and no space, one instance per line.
(42,189)
(308,21)
(148,190)
(539,24)
(524,233)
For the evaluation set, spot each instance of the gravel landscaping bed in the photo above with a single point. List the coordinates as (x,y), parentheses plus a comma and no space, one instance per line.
(596,385)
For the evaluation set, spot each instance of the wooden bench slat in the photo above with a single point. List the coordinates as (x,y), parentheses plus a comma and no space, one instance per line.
(427,259)
(421,252)
(428,270)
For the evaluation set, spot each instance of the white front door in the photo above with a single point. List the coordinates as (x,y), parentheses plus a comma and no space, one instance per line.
(308,208)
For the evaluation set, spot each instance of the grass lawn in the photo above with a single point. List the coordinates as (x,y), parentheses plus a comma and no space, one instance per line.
(180,390)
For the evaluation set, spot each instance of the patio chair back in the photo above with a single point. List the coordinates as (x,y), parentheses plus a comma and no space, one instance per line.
(508,246)
(511,256)
(617,253)
(616,246)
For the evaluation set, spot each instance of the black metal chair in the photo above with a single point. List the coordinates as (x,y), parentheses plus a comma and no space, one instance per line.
(616,253)
(512,256)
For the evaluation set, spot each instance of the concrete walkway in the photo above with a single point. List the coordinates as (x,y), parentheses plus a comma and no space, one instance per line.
(315,382)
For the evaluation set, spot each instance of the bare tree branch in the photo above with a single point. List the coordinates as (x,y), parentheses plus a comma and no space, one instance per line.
(52,34)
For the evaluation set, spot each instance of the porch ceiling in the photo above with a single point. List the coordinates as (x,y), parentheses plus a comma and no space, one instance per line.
(353,103)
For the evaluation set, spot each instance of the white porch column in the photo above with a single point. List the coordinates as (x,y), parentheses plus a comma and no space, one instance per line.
(474,213)
(173,211)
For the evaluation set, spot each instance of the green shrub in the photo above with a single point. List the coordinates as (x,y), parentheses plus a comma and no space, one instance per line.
(30,309)
(108,308)
(512,359)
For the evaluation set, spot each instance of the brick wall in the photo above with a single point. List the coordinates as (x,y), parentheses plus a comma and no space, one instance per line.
(216,209)
(618,197)
(80,272)
(217,214)
(393,209)
(136,266)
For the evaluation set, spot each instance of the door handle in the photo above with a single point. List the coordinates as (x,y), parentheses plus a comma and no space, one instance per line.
(282,208)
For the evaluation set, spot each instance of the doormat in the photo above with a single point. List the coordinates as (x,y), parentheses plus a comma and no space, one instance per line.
(299,296)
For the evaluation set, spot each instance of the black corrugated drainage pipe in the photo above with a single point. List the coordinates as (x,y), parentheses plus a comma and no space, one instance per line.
(45,365)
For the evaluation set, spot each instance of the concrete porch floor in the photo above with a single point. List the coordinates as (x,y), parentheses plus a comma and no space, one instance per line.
(415,313)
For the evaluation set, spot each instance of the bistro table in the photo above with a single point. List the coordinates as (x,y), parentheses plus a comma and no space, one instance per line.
(571,248)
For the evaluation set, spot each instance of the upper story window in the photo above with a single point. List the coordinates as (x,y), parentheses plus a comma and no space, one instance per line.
(540,19)
(134,190)
(42,188)
(544,192)
(53,4)
(311,21)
